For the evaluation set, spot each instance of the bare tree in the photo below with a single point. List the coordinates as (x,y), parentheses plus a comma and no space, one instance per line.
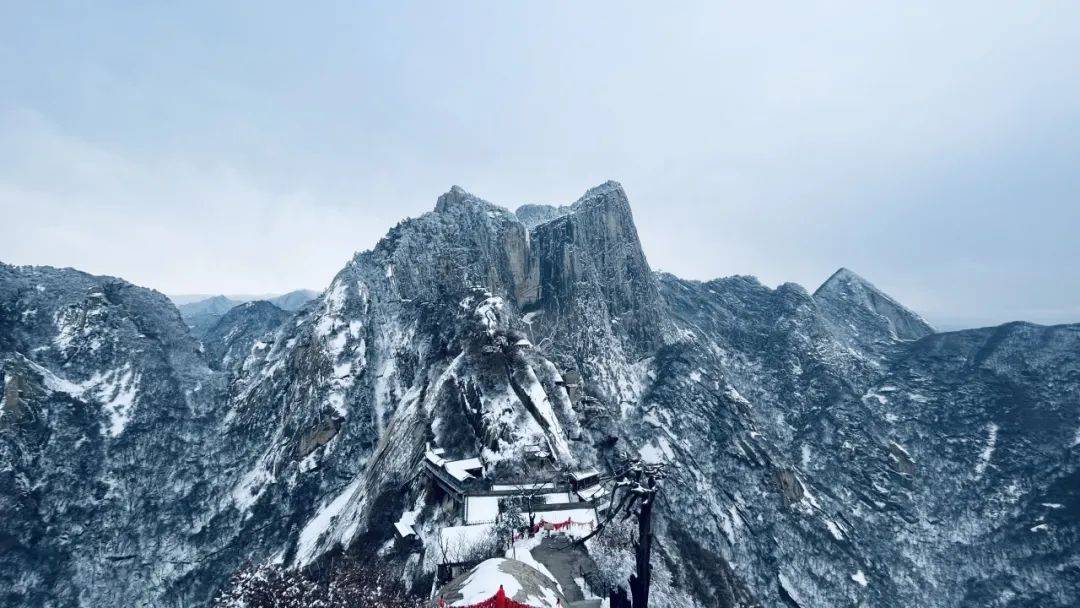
(348,584)
(635,488)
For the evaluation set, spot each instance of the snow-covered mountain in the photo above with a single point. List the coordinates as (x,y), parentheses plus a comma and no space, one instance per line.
(825,449)
(201,314)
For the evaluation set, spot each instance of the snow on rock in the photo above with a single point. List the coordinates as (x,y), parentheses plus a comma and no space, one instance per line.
(404,524)
(791,591)
(251,486)
(317,531)
(834,530)
(988,449)
(519,581)
(657,451)
(723,380)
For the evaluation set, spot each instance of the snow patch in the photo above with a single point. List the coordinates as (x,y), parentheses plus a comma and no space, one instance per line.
(791,591)
(522,551)
(250,488)
(118,398)
(661,452)
(834,529)
(333,303)
(482,509)
(116,390)
(404,524)
(316,528)
(485,580)
(988,449)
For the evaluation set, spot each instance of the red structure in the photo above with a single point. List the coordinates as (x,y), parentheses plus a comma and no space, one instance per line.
(499,600)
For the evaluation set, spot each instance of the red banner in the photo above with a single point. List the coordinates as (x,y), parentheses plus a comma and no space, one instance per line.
(562,525)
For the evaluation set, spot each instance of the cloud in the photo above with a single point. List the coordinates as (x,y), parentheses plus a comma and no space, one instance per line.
(164,222)
(931,148)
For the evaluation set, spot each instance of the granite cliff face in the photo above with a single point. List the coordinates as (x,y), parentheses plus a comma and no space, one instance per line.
(825,449)
(863,314)
(107,405)
(230,341)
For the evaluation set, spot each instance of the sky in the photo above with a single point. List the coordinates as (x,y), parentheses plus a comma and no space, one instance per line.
(254,147)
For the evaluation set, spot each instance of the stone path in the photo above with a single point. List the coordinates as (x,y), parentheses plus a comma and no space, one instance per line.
(565,562)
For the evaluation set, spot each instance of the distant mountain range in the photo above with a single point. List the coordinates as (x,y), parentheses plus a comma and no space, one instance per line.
(202,313)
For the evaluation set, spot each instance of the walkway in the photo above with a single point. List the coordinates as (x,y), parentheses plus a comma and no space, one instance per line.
(566,562)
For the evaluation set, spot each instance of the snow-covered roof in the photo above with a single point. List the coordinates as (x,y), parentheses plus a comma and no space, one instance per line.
(481,509)
(592,492)
(536,450)
(556,498)
(582,475)
(460,469)
(404,526)
(434,458)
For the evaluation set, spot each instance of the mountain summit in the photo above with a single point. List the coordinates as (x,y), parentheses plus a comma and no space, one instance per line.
(863,312)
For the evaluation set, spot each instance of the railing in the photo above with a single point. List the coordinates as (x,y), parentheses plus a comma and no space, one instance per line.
(521,491)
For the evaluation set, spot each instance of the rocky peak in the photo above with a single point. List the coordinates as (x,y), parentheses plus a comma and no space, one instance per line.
(294,300)
(451,198)
(533,215)
(595,245)
(606,193)
(217,305)
(457,199)
(594,296)
(863,313)
(245,330)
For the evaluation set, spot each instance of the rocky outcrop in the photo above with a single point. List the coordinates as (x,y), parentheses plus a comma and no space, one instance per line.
(534,215)
(521,583)
(294,300)
(243,329)
(103,457)
(863,314)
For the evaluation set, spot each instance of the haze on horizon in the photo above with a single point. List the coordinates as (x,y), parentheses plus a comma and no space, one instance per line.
(253,149)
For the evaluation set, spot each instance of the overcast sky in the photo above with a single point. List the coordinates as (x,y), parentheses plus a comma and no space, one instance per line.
(194,148)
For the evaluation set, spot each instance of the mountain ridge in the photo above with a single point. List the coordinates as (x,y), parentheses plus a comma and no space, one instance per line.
(812,462)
